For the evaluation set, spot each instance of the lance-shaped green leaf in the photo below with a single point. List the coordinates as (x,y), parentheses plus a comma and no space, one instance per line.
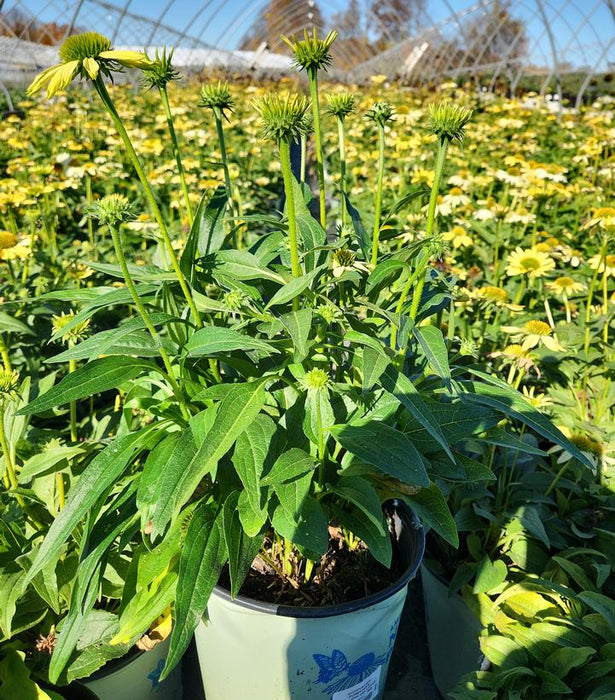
(182,474)
(100,474)
(288,466)
(361,234)
(408,395)
(98,375)
(253,450)
(363,495)
(374,364)
(298,324)
(215,339)
(241,265)
(501,396)
(293,288)
(430,505)
(8,324)
(201,560)
(376,537)
(308,531)
(207,232)
(432,342)
(384,447)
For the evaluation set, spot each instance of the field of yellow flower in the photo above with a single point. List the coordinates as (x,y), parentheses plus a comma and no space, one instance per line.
(526,224)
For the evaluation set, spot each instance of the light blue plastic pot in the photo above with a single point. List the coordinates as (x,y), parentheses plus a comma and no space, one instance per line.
(136,677)
(452,633)
(261,651)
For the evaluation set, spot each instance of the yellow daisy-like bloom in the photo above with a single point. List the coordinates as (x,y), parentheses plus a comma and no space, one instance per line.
(85,55)
(531,262)
(603,217)
(608,264)
(458,236)
(534,333)
(7,239)
(565,286)
(539,400)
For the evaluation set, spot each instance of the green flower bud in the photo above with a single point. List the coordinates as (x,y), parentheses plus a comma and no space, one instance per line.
(381,113)
(112,209)
(311,53)
(283,119)
(448,121)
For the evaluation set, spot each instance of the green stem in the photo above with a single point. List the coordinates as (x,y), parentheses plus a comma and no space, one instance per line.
(376,233)
(72,366)
(88,199)
(149,195)
(590,293)
(4,353)
(10,467)
(605,306)
(290,208)
(303,141)
(321,443)
(117,244)
(222,145)
(342,145)
(313,80)
(176,152)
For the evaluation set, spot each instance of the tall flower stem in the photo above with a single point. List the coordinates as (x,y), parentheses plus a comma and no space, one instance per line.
(590,292)
(303,157)
(605,305)
(423,260)
(88,199)
(149,195)
(176,152)
(290,207)
(8,460)
(342,145)
(72,366)
(376,234)
(117,244)
(4,353)
(320,168)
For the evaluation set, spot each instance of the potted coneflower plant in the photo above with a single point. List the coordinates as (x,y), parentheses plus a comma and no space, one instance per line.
(278,457)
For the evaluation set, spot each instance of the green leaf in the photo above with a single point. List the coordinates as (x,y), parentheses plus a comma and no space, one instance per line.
(241,548)
(384,273)
(183,474)
(242,265)
(313,236)
(207,231)
(253,450)
(408,395)
(432,341)
(602,604)
(403,202)
(47,461)
(288,466)
(93,378)
(15,681)
(376,537)
(12,580)
(309,531)
(384,447)
(475,470)
(100,474)
(154,465)
(498,436)
(293,288)
(374,364)
(251,515)
(8,324)
(292,494)
(430,506)
(298,324)
(489,575)
(563,660)
(359,492)
(201,560)
(532,522)
(503,651)
(499,395)
(217,339)
(363,238)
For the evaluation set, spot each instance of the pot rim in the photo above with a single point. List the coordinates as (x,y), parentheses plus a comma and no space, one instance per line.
(416,547)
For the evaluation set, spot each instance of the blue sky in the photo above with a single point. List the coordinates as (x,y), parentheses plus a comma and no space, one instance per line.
(223,22)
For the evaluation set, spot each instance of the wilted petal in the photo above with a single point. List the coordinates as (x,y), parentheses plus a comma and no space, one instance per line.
(130,59)
(41,79)
(62,77)
(91,67)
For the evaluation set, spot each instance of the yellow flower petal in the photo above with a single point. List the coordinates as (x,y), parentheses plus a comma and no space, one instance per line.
(62,77)
(130,59)
(91,67)
(41,79)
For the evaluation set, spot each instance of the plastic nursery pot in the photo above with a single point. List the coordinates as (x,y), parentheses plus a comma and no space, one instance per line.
(263,651)
(135,677)
(452,633)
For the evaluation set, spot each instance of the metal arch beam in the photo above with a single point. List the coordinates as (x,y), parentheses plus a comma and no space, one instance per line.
(121,16)
(34,18)
(184,33)
(558,79)
(157,22)
(573,38)
(590,73)
(73,19)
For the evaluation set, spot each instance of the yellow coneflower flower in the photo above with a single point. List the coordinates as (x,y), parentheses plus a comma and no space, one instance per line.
(85,55)
(344,259)
(7,239)
(608,264)
(539,400)
(603,217)
(534,333)
(531,262)
(565,286)
(458,236)
(492,295)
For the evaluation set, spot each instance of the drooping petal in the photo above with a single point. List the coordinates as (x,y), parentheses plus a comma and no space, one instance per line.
(62,77)
(41,79)
(130,59)
(91,67)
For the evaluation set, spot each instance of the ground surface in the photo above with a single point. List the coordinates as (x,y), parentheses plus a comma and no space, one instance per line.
(409,673)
